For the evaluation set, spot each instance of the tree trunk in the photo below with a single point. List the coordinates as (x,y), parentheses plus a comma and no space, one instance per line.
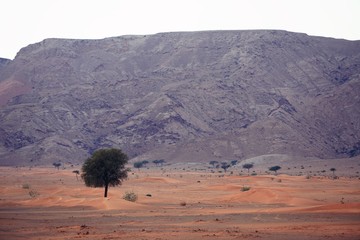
(106,189)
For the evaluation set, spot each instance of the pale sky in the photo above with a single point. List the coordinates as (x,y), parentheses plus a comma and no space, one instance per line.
(29,21)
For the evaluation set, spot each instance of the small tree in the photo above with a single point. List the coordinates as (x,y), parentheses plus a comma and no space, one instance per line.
(145,162)
(213,163)
(248,166)
(234,162)
(77,172)
(57,165)
(105,167)
(275,169)
(225,166)
(138,165)
(159,162)
(333,170)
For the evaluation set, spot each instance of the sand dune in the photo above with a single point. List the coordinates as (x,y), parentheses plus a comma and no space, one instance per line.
(44,203)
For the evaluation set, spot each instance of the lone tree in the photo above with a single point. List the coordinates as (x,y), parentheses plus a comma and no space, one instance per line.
(275,169)
(248,166)
(105,167)
(77,172)
(333,170)
(57,165)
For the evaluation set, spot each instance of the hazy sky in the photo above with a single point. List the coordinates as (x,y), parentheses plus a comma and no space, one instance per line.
(28,21)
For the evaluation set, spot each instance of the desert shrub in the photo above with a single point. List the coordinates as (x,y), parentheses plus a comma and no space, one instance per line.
(34,194)
(183,203)
(130,196)
(245,188)
(254,174)
(26,186)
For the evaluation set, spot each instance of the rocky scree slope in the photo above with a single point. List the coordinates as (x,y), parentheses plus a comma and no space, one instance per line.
(190,96)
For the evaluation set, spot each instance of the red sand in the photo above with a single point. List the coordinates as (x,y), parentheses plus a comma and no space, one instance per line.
(213,206)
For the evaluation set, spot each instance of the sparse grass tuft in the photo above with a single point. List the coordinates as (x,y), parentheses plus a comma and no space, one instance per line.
(130,196)
(245,188)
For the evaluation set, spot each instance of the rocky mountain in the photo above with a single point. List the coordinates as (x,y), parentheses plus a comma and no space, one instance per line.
(4,62)
(186,96)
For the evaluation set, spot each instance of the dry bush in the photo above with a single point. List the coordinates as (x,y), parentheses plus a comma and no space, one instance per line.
(130,196)
(34,194)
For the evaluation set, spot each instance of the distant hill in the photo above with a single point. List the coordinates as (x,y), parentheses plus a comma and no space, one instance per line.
(189,96)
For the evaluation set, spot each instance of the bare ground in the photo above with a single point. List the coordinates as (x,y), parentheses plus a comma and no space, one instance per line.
(44,203)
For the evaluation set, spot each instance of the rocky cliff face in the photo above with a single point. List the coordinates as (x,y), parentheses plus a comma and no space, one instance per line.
(194,96)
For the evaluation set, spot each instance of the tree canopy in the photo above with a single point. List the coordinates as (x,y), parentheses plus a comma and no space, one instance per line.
(213,163)
(275,168)
(225,166)
(138,165)
(105,167)
(248,166)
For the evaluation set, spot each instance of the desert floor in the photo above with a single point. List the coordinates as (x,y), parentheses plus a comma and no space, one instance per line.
(182,203)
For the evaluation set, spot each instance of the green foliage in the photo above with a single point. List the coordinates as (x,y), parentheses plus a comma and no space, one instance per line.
(159,162)
(57,165)
(333,170)
(138,165)
(248,166)
(245,188)
(213,163)
(233,162)
(105,167)
(130,196)
(145,162)
(275,168)
(225,166)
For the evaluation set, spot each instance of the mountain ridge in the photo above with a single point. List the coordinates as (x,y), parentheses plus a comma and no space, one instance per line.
(199,95)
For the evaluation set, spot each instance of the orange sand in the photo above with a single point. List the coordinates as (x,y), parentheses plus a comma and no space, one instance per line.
(214,207)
